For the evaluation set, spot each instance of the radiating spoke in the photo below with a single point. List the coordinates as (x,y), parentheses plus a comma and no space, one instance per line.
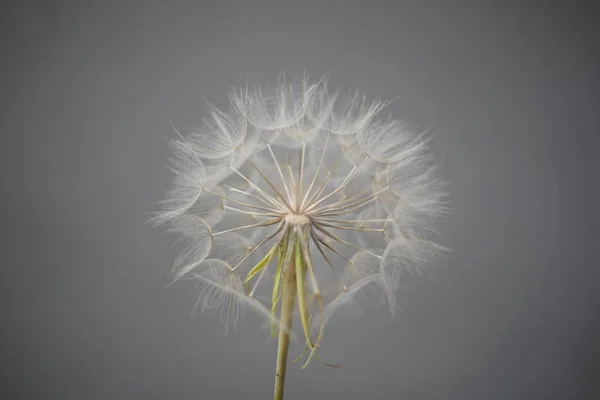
(293,184)
(318,192)
(285,187)
(353,221)
(312,183)
(318,244)
(257,225)
(339,204)
(317,238)
(352,228)
(300,177)
(256,207)
(322,229)
(285,201)
(267,196)
(259,244)
(253,213)
(333,210)
(344,183)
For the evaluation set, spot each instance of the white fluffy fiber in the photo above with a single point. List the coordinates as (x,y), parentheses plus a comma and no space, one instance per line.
(228,173)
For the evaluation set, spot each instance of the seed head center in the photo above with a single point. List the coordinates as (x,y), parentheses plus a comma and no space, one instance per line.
(296,219)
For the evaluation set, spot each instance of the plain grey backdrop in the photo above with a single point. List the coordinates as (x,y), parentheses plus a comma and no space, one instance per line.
(89,90)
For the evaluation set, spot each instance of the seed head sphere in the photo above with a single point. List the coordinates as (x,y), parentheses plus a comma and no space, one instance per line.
(299,185)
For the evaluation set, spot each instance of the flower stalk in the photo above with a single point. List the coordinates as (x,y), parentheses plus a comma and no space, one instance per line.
(288,301)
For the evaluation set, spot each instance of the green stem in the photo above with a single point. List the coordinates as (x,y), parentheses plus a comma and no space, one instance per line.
(288,300)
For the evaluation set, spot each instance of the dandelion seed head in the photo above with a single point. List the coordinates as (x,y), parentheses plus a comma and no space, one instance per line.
(299,170)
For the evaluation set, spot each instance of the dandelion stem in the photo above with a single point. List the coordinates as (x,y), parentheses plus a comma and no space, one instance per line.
(288,300)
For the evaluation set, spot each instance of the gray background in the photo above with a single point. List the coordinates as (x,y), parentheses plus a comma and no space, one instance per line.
(89,92)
